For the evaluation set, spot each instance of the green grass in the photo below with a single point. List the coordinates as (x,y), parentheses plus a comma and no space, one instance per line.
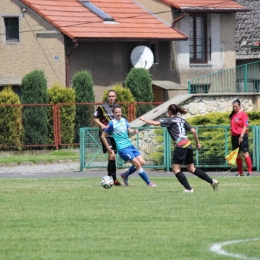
(49,157)
(78,219)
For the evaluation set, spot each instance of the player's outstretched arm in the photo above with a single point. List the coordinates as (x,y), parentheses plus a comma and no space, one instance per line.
(150,122)
(132,131)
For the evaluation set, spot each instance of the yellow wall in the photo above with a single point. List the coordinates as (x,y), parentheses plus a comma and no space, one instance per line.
(35,50)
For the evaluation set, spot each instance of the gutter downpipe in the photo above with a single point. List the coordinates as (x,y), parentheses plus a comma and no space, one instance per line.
(178,19)
(68,63)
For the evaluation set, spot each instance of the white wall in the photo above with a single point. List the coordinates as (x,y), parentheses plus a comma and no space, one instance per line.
(217,51)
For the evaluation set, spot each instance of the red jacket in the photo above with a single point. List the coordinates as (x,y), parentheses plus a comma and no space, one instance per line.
(237,123)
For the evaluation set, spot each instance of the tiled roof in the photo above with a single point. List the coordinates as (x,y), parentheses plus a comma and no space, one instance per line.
(248,31)
(206,5)
(77,22)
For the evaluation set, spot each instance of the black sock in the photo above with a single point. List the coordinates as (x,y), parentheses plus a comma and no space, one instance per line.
(183,180)
(204,176)
(111,169)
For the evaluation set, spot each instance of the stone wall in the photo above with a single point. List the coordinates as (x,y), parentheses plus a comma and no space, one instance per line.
(201,105)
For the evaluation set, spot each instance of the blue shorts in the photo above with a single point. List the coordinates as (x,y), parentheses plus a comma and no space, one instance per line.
(129,153)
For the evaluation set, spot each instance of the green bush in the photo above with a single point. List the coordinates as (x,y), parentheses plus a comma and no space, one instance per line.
(58,94)
(213,139)
(214,118)
(158,156)
(218,118)
(35,118)
(122,95)
(10,120)
(83,84)
(139,81)
(254,118)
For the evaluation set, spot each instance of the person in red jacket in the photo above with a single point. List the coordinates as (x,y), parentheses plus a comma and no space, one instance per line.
(239,136)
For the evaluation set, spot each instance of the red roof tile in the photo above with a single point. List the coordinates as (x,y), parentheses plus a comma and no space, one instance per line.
(207,5)
(76,21)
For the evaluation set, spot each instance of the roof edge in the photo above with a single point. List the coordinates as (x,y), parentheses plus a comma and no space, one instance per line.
(207,9)
(214,10)
(79,39)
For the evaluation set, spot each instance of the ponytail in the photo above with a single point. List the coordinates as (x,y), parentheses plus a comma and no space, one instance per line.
(175,109)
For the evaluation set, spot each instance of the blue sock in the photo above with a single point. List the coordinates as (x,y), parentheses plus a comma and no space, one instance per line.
(131,170)
(144,176)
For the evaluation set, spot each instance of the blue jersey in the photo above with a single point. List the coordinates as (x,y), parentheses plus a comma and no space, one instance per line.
(119,131)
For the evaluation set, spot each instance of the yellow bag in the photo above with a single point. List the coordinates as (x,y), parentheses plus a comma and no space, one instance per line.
(231,158)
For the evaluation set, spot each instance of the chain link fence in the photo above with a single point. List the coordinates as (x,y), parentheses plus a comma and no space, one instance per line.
(156,147)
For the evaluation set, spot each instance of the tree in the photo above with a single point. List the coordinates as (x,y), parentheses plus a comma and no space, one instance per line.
(35,118)
(59,94)
(10,121)
(123,96)
(139,81)
(83,84)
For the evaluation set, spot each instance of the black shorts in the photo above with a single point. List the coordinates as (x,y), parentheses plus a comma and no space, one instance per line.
(111,142)
(243,146)
(181,155)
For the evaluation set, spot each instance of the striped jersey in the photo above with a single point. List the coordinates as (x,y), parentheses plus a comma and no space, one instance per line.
(177,128)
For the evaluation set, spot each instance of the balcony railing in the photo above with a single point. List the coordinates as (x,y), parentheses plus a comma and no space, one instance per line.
(244,78)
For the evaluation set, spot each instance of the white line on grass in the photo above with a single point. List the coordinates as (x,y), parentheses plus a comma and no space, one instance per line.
(217,248)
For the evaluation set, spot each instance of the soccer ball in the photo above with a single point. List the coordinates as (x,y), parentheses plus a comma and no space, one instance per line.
(107,182)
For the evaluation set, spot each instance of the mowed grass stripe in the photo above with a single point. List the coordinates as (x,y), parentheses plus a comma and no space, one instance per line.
(78,219)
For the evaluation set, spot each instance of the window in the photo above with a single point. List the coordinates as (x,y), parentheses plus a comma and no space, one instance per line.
(200,45)
(94,9)
(12,29)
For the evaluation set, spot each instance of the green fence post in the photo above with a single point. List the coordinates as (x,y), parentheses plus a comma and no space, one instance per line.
(257,130)
(245,78)
(197,151)
(226,142)
(82,148)
(189,90)
(166,163)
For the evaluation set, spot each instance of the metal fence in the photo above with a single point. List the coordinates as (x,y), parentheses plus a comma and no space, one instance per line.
(244,78)
(147,141)
(156,147)
(12,128)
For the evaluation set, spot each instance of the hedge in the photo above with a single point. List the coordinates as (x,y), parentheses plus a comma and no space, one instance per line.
(58,94)
(10,120)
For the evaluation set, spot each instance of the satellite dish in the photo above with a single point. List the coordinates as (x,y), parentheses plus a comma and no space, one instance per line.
(142,57)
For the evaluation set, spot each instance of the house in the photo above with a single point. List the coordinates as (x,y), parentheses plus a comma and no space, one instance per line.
(188,39)
(248,33)
(248,43)
(211,28)
(63,37)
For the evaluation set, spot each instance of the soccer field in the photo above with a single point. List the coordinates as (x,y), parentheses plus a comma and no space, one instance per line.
(75,218)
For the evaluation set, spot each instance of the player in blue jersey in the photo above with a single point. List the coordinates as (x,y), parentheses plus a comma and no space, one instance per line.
(119,129)
(178,128)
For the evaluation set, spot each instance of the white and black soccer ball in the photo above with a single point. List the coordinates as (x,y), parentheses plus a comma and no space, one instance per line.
(107,182)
